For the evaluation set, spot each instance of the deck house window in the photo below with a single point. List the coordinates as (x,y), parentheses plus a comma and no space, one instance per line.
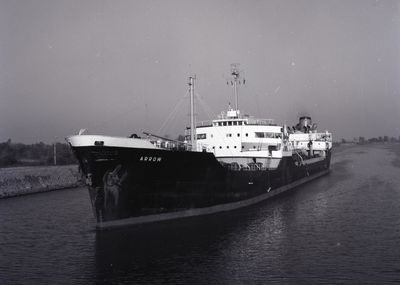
(201,136)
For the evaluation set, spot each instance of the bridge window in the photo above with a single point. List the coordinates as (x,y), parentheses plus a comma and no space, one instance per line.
(229,123)
(268,135)
(235,123)
(224,123)
(240,123)
(201,136)
(220,124)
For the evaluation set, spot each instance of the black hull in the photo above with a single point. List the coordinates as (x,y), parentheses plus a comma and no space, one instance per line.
(126,183)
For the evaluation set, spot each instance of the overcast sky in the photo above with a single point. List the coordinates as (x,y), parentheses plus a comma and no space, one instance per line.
(121,67)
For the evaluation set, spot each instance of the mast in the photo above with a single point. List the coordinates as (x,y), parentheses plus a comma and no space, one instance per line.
(235,74)
(192,119)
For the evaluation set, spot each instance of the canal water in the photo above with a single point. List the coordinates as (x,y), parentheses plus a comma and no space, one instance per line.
(343,228)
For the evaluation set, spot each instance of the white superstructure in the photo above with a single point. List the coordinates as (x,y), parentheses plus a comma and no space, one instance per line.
(245,140)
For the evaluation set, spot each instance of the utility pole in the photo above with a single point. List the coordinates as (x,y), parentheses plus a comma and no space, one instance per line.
(55,151)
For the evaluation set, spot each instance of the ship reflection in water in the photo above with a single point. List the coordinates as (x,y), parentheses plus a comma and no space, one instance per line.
(342,228)
(202,249)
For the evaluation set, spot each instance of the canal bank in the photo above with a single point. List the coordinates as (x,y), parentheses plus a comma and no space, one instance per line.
(16,181)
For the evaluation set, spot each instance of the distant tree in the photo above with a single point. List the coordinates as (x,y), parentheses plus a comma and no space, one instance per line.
(385,138)
(7,154)
(343,141)
(361,140)
(180,138)
(64,154)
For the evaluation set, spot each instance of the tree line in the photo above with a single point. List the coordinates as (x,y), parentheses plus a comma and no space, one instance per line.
(19,154)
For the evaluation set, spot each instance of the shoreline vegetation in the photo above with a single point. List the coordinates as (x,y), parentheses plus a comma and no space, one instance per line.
(19,154)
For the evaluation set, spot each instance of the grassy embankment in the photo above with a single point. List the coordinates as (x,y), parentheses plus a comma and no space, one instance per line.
(15,181)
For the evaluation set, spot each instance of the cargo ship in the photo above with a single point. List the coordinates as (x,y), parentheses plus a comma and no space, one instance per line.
(228,163)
